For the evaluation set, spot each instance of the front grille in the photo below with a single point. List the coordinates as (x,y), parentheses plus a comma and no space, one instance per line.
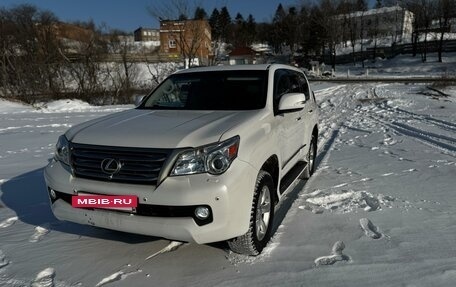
(137,165)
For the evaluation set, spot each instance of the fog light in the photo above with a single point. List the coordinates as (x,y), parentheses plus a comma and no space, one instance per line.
(52,193)
(202,212)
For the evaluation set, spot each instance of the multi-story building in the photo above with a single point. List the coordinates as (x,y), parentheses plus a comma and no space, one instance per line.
(147,34)
(387,21)
(187,39)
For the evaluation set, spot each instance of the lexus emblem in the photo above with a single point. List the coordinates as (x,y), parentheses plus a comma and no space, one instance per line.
(110,166)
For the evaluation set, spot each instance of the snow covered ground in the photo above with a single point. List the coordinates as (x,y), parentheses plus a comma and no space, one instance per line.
(379,211)
(402,66)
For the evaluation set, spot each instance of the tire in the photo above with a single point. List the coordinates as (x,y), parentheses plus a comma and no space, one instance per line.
(310,159)
(261,219)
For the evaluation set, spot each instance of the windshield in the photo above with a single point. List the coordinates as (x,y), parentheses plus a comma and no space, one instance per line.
(221,90)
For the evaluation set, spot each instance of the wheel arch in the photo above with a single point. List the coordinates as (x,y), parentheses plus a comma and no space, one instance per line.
(315,132)
(271,165)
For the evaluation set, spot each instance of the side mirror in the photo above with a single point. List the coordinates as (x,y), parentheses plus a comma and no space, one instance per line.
(292,101)
(138,100)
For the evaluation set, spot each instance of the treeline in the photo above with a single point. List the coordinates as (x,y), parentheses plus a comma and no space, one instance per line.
(34,65)
(318,28)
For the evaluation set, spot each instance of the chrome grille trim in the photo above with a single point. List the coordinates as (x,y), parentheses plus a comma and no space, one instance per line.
(138,165)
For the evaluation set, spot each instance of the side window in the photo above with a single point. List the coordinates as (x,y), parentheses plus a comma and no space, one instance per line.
(282,85)
(304,86)
(295,86)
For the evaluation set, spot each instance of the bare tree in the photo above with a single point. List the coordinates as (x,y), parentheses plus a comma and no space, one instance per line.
(5,60)
(363,25)
(427,14)
(124,74)
(87,72)
(374,33)
(331,28)
(51,61)
(348,18)
(446,10)
(159,71)
(424,11)
(30,62)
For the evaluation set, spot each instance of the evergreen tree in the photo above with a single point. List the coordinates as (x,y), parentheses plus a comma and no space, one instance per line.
(263,32)
(279,14)
(278,23)
(200,14)
(214,23)
(378,4)
(239,19)
(250,29)
(238,36)
(291,24)
(224,24)
(361,5)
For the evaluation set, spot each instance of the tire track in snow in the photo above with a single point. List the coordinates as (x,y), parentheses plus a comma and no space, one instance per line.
(332,115)
(425,137)
(426,133)
(422,118)
(422,137)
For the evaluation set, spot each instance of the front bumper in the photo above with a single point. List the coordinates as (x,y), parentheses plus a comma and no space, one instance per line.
(229,196)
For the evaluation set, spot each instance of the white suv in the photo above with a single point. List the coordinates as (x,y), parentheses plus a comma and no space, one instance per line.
(208,154)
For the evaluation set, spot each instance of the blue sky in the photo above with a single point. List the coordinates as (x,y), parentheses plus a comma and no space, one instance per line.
(128,15)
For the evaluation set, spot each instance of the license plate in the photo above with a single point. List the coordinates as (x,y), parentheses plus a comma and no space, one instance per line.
(112,202)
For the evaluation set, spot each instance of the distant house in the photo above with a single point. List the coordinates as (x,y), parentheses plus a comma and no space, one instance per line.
(146,34)
(242,55)
(188,39)
(73,32)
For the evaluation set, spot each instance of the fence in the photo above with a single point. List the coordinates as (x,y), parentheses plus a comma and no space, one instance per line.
(394,50)
(131,58)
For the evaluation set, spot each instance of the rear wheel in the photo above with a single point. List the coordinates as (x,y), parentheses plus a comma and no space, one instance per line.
(261,218)
(310,159)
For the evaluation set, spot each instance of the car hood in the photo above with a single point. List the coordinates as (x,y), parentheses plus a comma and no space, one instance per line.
(158,128)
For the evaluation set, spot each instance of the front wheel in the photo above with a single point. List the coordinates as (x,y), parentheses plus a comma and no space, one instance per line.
(261,218)
(310,159)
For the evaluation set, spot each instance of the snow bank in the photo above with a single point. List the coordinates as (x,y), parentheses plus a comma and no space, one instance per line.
(11,107)
(64,106)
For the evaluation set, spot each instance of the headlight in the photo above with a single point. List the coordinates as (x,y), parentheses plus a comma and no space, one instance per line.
(62,150)
(214,159)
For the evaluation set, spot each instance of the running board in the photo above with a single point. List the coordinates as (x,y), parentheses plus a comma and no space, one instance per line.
(291,176)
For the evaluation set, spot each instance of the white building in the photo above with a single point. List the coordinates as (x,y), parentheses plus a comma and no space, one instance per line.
(395,21)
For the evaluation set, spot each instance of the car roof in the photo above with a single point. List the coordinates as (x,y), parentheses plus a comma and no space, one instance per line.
(261,67)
